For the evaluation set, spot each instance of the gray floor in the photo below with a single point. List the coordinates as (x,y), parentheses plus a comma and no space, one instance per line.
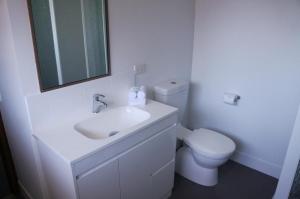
(235,182)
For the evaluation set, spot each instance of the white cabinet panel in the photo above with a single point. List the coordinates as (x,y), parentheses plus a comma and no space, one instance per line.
(101,182)
(142,162)
(163,181)
(135,174)
(162,149)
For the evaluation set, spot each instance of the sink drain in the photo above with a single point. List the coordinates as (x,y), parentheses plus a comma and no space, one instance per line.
(113,133)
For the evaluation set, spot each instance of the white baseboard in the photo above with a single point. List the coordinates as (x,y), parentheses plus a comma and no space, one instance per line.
(24,191)
(258,164)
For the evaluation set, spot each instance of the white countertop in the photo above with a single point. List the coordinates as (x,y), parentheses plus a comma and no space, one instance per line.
(70,145)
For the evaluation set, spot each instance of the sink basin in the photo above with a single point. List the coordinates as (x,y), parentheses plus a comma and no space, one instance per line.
(111,122)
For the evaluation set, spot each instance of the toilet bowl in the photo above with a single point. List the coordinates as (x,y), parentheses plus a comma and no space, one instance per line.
(203,150)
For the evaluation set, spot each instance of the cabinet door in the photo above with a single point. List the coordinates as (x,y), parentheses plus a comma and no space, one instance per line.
(140,164)
(101,182)
(163,181)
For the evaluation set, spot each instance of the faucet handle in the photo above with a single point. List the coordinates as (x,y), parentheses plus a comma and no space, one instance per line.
(98,103)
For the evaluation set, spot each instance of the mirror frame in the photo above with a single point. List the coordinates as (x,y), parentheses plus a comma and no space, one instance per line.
(36,54)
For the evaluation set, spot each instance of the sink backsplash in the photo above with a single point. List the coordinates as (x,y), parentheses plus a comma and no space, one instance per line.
(295,191)
(58,105)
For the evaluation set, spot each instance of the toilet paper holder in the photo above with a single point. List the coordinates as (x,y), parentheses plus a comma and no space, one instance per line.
(231,98)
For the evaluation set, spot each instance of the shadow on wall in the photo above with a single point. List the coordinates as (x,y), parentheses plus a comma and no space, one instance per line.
(295,191)
(194,90)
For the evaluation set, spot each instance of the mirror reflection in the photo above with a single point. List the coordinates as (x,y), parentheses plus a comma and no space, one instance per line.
(71,40)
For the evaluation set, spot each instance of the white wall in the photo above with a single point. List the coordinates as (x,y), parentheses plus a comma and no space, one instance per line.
(290,164)
(158,33)
(12,106)
(250,48)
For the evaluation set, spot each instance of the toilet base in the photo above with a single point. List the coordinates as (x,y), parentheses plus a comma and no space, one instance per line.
(187,167)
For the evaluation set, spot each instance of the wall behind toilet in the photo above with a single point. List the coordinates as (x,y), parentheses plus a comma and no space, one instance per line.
(250,48)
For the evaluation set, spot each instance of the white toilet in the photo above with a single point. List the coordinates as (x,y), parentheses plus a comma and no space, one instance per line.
(203,150)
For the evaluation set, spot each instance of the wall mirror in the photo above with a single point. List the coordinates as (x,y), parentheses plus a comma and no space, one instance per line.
(71,41)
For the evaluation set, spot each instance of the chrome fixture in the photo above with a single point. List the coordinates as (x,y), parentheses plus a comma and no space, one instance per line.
(98,103)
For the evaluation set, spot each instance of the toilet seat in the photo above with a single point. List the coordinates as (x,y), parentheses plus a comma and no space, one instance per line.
(210,143)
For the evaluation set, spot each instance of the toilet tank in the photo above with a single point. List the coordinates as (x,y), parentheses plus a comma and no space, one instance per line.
(173,93)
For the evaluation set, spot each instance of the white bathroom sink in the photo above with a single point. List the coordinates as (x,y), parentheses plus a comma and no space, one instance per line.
(111,122)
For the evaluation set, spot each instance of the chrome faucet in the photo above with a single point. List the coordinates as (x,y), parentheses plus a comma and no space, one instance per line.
(98,103)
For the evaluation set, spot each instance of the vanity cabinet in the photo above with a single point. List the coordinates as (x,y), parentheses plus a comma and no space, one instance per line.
(144,171)
(138,166)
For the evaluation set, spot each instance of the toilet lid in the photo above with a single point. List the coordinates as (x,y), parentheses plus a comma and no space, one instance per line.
(210,143)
